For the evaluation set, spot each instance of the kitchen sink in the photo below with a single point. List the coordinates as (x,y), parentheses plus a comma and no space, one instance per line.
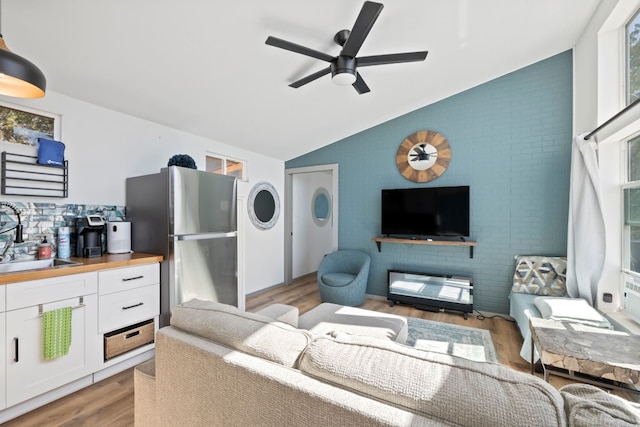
(34,264)
(57,262)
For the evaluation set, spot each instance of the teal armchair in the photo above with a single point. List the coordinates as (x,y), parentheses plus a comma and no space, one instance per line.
(342,277)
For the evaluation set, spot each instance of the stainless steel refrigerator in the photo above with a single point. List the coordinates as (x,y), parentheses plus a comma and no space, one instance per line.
(189,217)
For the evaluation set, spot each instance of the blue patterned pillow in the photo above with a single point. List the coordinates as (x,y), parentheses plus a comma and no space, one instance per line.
(540,275)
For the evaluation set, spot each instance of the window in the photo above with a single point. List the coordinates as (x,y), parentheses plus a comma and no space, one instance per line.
(633,58)
(226,166)
(21,125)
(631,199)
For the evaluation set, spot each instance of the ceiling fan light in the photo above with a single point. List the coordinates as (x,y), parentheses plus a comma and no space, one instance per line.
(343,71)
(344,79)
(19,77)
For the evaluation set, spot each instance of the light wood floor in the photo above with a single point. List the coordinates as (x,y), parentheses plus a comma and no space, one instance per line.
(110,402)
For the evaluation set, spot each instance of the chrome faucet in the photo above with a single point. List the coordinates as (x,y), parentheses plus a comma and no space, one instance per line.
(18,228)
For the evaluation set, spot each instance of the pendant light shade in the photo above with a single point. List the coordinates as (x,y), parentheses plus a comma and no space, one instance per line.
(19,77)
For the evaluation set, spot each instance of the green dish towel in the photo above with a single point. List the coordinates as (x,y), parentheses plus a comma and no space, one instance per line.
(56,332)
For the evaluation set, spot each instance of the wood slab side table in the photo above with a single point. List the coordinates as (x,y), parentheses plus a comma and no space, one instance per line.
(597,356)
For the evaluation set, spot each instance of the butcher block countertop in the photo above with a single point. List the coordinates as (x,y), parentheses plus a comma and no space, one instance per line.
(87,265)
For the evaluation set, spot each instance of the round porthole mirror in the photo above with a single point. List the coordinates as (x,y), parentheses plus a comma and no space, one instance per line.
(321,207)
(263,206)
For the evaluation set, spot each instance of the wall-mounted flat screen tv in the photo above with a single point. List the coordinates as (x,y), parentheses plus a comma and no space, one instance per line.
(424,212)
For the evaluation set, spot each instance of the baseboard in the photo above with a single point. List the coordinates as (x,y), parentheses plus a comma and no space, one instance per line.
(376,297)
(262,291)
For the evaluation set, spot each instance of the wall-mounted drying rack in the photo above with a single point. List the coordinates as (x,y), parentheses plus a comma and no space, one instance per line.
(22,175)
(80,305)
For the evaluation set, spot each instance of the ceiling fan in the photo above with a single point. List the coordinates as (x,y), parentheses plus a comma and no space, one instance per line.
(343,68)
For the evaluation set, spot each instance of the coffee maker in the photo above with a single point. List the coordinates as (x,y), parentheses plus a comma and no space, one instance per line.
(89,231)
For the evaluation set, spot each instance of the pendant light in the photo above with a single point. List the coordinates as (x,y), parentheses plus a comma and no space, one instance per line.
(19,77)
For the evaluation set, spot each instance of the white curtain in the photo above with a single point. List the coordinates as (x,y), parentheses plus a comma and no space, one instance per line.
(586,236)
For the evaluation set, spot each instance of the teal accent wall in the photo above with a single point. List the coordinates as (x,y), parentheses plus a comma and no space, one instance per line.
(511,143)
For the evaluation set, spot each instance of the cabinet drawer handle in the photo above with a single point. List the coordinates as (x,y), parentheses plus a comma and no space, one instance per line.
(132,334)
(133,278)
(15,342)
(132,306)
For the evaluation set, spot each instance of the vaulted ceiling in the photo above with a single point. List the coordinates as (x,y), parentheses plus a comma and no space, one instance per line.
(203,67)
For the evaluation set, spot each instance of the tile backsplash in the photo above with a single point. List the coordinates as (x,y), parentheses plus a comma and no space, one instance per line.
(44,219)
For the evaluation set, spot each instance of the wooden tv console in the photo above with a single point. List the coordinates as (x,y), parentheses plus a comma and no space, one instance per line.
(433,292)
(425,241)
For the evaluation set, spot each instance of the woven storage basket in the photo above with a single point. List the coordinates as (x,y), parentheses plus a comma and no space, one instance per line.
(127,339)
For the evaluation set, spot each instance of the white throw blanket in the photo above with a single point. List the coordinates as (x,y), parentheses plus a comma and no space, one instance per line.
(574,310)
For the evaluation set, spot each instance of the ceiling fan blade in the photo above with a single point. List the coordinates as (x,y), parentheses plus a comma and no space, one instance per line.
(360,85)
(283,44)
(367,17)
(393,58)
(310,78)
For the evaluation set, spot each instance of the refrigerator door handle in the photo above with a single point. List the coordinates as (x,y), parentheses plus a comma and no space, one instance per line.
(204,236)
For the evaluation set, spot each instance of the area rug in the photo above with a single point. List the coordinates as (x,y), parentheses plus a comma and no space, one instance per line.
(471,343)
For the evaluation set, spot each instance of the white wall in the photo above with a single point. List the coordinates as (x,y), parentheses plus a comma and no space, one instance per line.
(310,241)
(598,95)
(105,147)
(585,84)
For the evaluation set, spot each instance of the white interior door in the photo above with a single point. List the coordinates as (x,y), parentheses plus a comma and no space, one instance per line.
(309,239)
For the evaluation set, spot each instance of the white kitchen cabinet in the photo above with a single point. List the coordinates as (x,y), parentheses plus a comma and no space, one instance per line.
(127,278)
(28,374)
(34,292)
(127,297)
(3,380)
(125,308)
(27,381)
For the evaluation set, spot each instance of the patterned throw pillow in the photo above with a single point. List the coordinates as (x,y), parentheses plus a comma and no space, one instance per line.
(540,275)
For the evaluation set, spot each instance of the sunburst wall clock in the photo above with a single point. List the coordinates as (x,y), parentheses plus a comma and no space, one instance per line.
(423,156)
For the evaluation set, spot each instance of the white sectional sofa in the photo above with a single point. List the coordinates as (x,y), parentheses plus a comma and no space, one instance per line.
(217,366)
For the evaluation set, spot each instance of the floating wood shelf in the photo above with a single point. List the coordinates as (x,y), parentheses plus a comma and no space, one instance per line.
(22,175)
(467,243)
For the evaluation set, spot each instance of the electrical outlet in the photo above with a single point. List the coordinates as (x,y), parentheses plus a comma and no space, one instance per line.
(607,297)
